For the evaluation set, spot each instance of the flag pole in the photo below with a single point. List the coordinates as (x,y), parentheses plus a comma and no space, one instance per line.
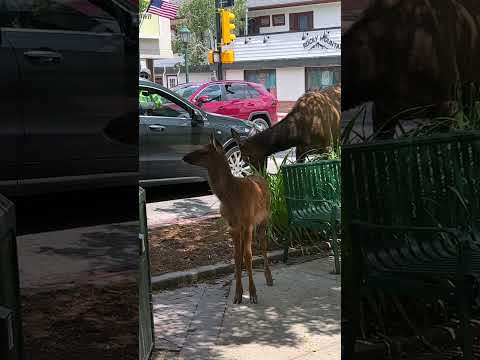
(143,15)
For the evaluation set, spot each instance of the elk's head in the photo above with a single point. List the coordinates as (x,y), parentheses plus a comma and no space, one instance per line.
(253,152)
(208,156)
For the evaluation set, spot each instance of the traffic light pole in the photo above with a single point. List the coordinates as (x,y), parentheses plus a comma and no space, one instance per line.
(218,5)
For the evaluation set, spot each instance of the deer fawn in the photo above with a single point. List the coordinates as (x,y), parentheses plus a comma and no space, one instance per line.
(244,204)
(312,124)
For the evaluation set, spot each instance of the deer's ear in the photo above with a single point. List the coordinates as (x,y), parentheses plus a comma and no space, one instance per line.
(217,145)
(235,135)
(211,139)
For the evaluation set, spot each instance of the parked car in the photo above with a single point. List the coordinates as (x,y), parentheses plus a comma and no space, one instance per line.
(171,127)
(67,134)
(241,99)
(69,124)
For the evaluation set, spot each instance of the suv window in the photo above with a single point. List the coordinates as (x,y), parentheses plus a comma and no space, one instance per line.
(186,91)
(214,92)
(152,103)
(253,93)
(236,91)
(65,15)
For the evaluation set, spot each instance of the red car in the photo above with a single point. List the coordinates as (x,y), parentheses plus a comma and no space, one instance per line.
(236,98)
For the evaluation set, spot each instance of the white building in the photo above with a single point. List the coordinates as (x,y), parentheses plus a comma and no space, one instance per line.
(155,41)
(292,46)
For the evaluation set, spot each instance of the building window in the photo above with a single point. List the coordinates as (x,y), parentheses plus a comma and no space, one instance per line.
(254,24)
(319,78)
(267,78)
(264,21)
(301,21)
(278,20)
(172,81)
(159,79)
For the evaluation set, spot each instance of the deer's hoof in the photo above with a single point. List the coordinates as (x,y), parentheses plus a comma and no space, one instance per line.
(253,298)
(238,297)
(268,277)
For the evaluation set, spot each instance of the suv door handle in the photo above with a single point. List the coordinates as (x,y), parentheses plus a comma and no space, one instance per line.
(44,56)
(156,127)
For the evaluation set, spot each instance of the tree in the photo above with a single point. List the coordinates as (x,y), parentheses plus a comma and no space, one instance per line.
(199,17)
(142,8)
(143,5)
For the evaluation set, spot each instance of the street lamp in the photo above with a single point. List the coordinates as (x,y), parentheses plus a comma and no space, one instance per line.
(185,36)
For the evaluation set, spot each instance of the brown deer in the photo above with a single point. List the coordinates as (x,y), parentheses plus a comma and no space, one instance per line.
(244,204)
(312,124)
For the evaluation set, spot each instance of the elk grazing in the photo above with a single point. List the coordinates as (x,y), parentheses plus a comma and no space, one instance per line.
(244,204)
(404,54)
(311,125)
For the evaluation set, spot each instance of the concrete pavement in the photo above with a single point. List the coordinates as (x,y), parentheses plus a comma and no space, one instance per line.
(297,318)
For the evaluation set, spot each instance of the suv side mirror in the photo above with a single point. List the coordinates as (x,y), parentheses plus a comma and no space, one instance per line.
(197,117)
(204,99)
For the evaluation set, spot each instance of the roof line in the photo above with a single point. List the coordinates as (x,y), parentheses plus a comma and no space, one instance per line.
(291,4)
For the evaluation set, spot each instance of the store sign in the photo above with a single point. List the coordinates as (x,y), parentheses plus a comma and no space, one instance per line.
(320,41)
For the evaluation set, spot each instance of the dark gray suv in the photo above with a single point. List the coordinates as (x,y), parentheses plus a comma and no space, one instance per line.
(171,127)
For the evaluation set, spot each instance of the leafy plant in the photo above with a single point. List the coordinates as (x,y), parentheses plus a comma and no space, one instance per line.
(199,17)
(278,229)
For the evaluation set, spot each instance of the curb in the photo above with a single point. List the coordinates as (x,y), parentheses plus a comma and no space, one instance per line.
(183,221)
(174,279)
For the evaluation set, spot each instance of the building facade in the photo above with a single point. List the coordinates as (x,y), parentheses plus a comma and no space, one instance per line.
(155,41)
(291,46)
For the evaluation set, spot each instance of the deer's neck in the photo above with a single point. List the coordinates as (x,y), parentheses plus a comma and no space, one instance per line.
(281,136)
(221,179)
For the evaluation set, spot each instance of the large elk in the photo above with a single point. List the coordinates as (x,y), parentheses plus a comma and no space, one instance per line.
(405,54)
(311,125)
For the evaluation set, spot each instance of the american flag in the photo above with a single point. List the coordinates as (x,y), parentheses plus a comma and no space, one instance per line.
(163,8)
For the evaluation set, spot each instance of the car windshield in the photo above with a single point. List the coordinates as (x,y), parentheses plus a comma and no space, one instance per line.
(186,91)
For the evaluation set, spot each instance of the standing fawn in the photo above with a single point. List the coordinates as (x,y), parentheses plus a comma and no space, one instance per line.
(312,124)
(244,204)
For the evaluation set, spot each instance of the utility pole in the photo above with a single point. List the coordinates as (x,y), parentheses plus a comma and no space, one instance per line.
(218,28)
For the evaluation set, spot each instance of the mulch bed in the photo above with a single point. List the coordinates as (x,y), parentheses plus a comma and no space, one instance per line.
(85,322)
(184,247)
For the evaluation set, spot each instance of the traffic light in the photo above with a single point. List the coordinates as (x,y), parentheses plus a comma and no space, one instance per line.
(228,57)
(226,19)
(210,57)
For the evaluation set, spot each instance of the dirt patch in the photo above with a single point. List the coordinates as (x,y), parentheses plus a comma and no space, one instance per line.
(184,247)
(85,322)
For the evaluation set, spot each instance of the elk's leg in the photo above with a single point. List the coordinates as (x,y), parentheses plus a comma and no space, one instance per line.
(237,258)
(300,154)
(262,236)
(247,243)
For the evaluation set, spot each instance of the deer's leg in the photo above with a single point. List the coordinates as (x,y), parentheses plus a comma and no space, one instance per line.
(237,258)
(247,238)
(300,154)
(262,237)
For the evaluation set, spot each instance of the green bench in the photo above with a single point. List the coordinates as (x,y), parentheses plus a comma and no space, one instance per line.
(146,338)
(408,231)
(312,195)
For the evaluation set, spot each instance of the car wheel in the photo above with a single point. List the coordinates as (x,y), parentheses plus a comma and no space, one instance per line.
(261,123)
(238,167)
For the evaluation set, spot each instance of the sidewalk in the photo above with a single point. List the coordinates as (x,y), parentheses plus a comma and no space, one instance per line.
(297,318)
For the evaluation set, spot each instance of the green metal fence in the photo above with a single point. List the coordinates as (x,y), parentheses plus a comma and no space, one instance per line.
(11,344)
(146,329)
